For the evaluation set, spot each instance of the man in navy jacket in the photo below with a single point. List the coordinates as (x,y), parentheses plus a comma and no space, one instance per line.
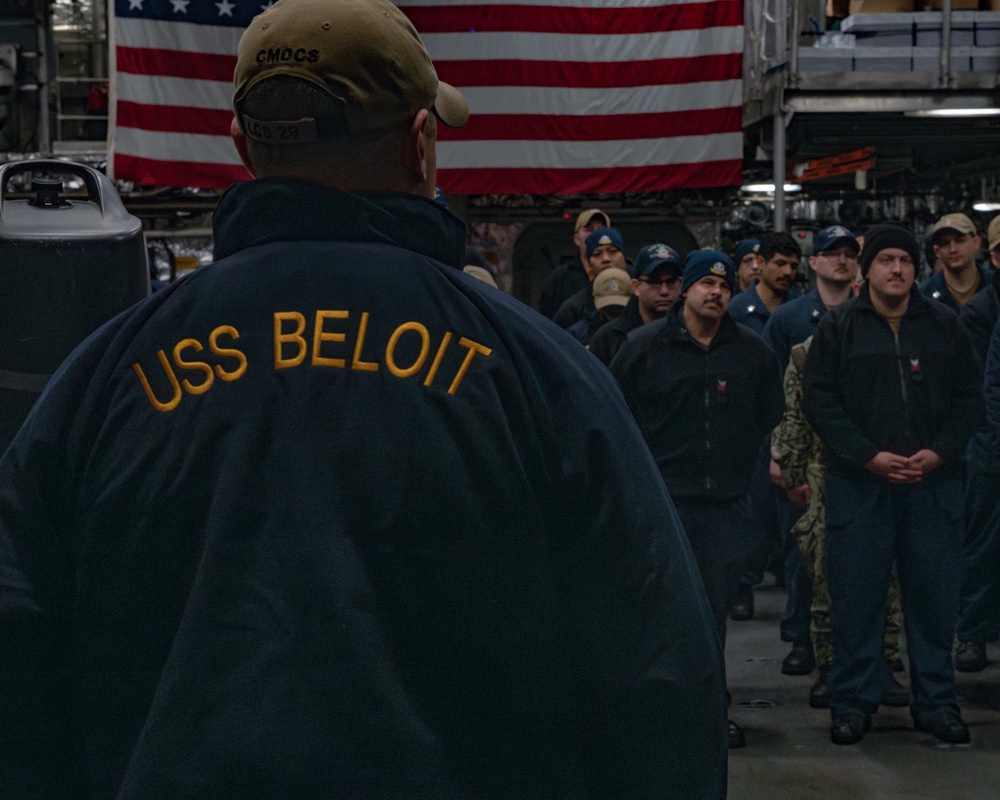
(956,243)
(330,518)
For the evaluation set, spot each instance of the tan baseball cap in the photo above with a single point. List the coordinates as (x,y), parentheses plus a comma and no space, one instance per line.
(479,272)
(954,222)
(612,286)
(586,216)
(993,232)
(365,53)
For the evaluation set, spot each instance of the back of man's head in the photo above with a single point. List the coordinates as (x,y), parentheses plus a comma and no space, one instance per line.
(778,242)
(334,82)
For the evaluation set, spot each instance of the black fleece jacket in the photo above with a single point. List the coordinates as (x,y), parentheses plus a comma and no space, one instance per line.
(867,390)
(703,411)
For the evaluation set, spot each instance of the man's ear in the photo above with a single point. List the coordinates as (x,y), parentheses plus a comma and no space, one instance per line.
(415,148)
(240,140)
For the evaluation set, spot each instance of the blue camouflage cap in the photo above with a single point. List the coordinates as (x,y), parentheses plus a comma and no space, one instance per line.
(654,256)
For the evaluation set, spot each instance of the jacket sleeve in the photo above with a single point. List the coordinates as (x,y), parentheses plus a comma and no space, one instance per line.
(41,754)
(649,656)
(977,325)
(991,387)
(547,301)
(600,345)
(37,751)
(772,397)
(567,313)
(624,366)
(821,397)
(966,400)
(775,336)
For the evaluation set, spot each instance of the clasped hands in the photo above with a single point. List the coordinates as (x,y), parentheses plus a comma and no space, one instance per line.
(904,469)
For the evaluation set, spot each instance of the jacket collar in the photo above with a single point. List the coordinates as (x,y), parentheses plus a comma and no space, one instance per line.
(676,331)
(281,209)
(630,318)
(917,305)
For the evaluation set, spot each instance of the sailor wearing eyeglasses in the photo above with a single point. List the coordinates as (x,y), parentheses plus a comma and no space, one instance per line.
(656,283)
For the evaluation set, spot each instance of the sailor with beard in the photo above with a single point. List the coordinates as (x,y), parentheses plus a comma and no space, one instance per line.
(779,257)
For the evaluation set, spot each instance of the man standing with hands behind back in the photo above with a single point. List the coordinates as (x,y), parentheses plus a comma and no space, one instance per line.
(890,386)
(333,518)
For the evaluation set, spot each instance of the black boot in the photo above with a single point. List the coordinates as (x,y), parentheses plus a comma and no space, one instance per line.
(741,606)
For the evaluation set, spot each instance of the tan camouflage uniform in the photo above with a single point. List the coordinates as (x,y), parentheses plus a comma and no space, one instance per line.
(799,453)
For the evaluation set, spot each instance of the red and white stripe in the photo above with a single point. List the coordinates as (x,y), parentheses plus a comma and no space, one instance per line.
(588,96)
(172,104)
(566,96)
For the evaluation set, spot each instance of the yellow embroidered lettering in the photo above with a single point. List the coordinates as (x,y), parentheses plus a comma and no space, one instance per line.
(200,366)
(280,339)
(171,404)
(320,336)
(438,356)
(356,362)
(403,356)
(390,354)
(226,352)
(474,349)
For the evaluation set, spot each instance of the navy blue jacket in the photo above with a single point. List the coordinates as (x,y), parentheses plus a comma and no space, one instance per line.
(748,309)
(865,390)
(980,314)
(791,323)
(330,518)
(609,338)
(703,412)
(563,282)
(578,306)
(979,317)
(936,287)
(991,393)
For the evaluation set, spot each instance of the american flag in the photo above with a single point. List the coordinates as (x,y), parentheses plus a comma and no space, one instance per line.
(172,87)
(566,96)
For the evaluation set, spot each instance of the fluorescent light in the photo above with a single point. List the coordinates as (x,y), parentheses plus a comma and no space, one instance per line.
(768,188)
(984,206)
(954,112)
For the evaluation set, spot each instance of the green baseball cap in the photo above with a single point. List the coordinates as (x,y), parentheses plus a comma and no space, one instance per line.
(365,54)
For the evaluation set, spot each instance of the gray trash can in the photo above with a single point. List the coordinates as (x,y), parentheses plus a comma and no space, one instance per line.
(67,265)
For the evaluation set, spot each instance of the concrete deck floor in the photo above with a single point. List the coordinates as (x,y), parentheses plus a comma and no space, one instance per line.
(789,755)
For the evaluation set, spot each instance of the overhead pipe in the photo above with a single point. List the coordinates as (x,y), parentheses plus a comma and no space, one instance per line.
(945,63)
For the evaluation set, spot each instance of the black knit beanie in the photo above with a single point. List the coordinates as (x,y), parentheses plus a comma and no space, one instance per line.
(701,263)
(888,234)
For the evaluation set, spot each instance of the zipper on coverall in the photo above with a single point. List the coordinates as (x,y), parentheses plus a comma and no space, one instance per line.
(902,381)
